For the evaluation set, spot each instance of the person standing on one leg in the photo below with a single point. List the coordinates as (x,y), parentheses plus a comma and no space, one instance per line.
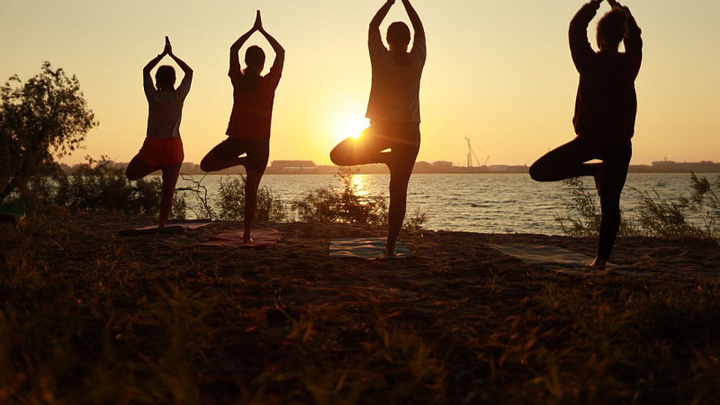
(605,110)
(393,110)
(249,128)
(163,148)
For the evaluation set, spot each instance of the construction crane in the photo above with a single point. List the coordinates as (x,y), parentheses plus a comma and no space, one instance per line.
(471,154)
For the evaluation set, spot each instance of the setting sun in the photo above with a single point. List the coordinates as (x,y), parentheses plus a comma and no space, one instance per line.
(349,124)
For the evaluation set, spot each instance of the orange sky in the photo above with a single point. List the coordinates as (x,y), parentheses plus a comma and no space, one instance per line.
(497,72)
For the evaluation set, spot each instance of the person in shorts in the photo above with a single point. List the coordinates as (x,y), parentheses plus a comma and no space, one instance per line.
(163,148)
(393,110)
(248,142)
(605,110)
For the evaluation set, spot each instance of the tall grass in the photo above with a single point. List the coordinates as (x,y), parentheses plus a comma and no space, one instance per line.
(657,217)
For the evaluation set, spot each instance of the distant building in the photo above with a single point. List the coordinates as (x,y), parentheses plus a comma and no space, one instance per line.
(442,164)
(292,166)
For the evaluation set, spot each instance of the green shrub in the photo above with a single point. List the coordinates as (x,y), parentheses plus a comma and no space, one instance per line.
(231,202)
(328,204)
(98,185)
(345,205)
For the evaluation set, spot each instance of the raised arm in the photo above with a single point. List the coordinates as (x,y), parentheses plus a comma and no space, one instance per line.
(235,48)
(279,50)
(419,39)
(184,66)
(187,70)
(374,36)
(147,79)
(633,40)
(580,47)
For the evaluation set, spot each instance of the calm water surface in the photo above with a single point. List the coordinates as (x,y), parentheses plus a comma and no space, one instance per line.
(494,203)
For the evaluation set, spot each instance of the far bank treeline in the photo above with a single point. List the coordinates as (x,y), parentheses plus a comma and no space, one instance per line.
(440,167)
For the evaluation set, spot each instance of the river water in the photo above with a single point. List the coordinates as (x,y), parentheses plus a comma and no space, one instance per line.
(493,203)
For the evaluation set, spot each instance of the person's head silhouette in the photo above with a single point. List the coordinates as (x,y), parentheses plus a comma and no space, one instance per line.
(611,29)
(165,78)
(398,36)
(255,59)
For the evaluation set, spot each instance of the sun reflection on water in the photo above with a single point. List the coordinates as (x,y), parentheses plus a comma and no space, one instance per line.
(360,184)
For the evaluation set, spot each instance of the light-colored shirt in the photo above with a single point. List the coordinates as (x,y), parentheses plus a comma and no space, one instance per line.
(395,91)
(165,108)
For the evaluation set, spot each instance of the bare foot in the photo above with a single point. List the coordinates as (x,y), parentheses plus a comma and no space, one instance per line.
(248,240)
(599,176)
(597,264)
(387,255)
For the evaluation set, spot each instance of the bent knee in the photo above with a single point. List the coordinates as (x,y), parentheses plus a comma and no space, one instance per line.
(339,157)
(539,172)
(132,175)
(535,172)
(207,163)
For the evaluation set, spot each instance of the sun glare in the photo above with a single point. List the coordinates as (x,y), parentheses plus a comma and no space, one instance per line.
(349,125)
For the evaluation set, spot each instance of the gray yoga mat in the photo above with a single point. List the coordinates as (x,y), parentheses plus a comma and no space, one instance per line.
(562,260)
(365,248)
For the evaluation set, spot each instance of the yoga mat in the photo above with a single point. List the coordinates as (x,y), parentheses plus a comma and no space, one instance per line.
(562,260)
(365,248)
(172,227)
(261,238)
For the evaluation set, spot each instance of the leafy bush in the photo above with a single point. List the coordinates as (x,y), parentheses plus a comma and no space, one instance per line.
(328,204)
(98,185)
(45,117)
(231,201)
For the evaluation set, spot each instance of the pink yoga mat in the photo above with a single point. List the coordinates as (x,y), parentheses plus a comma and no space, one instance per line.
(172,227)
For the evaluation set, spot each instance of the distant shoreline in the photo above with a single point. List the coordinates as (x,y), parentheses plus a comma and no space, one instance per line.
(295,167)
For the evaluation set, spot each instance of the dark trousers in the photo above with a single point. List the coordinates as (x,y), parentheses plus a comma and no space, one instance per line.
(569,160)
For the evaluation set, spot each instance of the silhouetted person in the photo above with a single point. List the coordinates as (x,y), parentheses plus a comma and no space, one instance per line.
(163,148)
(393,110)
(249,128)
(605,111)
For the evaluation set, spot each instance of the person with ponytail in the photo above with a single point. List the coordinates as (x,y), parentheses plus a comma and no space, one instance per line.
(163,147)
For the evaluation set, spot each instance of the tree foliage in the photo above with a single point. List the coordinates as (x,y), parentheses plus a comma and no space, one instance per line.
(43,118)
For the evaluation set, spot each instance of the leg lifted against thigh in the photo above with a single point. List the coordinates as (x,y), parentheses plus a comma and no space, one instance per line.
(366,149)
(224,155)
(137,169)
